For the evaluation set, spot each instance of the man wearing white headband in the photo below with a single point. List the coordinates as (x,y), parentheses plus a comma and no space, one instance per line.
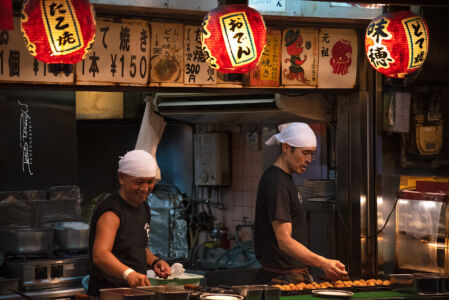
(120,229)
(280,223)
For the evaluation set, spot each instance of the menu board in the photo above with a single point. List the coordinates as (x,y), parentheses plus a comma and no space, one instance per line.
(267,70)
(196,67)
(300,57)
(167,52)
(120,54)
(17,64)
(337,58)
(139,53)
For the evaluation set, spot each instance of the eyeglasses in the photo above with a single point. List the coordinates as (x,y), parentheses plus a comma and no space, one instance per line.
(309,154)
(306,153)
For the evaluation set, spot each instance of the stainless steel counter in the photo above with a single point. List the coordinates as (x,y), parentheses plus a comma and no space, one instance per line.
(57,293)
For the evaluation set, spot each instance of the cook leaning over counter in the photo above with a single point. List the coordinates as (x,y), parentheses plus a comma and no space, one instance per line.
(120,229)
(280,223)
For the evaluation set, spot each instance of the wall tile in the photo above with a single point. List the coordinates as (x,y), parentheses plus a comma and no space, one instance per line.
(238,199)
(237,140)
(237,214)
(247,168)
(247,198)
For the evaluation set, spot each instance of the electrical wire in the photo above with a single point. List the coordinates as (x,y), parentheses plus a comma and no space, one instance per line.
(378,231)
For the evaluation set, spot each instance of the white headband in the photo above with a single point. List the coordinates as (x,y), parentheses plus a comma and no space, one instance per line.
(295,134)
(138,163)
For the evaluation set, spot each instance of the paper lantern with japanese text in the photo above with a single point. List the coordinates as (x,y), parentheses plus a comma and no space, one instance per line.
(397,43)
(58,31)
(233,38)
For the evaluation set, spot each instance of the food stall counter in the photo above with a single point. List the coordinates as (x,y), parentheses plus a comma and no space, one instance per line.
(371,295)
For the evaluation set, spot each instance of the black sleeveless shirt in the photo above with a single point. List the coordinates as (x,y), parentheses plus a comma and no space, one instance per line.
(131,240)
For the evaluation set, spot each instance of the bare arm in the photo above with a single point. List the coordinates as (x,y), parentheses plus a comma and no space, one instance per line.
(283,231)
(107,226)
(162,269)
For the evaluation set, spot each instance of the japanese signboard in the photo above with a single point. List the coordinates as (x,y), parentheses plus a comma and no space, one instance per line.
(300,57)
(17,64)
(337,58)
(268,5)
(120,54)
(268,69)
(196,68)
(167,52)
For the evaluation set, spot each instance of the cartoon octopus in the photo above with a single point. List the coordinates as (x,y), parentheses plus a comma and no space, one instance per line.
(341,57)
(293,42)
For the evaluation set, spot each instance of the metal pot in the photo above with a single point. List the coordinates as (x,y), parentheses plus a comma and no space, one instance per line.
(22,241)
(69,239)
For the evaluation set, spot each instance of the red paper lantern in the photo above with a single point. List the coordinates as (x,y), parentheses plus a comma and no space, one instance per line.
(233,38)
(58,31)
(397,43)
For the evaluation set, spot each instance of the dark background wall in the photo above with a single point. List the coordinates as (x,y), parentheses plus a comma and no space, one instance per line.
(100,143)
(42,125)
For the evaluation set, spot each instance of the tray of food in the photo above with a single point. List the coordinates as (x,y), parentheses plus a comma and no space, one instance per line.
(360,285)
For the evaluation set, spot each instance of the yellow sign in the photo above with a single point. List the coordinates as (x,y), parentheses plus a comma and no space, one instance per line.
(417,41)
(238,38)
(269,62)
(61,26)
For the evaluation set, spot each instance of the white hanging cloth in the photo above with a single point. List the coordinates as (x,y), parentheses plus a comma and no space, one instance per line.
(150,133)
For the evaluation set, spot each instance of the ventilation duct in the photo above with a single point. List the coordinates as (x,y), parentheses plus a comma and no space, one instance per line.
(241,109)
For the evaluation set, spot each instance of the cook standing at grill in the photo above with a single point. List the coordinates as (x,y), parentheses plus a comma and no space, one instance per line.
(280,223)
(120,229)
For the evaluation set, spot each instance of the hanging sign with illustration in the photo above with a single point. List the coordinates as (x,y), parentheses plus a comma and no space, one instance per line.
(167,53)
(120,54)
(300,57)
(338,58)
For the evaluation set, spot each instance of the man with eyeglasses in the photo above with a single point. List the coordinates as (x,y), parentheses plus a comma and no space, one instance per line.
(280,223)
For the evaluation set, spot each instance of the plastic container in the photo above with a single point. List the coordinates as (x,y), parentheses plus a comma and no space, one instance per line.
(186,278)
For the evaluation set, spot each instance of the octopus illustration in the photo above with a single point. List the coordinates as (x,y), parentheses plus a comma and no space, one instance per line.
(293,43)
(341,57)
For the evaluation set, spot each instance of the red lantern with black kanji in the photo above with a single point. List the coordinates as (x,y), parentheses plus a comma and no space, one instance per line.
(397,43)
(58,31)
(233,38)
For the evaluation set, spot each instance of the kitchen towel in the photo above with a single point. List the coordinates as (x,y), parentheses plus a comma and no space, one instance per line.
(151,130)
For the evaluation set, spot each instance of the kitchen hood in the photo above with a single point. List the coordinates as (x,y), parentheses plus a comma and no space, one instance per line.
(241,108)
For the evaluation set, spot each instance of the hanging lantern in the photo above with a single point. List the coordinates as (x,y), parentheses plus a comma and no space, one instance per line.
(233,38)
(58,31)
(397,43)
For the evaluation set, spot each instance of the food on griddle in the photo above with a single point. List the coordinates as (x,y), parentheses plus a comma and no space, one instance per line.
(336,284)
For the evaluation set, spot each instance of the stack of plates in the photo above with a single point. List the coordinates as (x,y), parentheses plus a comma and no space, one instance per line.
(321,188)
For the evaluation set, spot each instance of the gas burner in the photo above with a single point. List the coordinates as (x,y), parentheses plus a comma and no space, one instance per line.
(24,257)
(45,273)
(70,254)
